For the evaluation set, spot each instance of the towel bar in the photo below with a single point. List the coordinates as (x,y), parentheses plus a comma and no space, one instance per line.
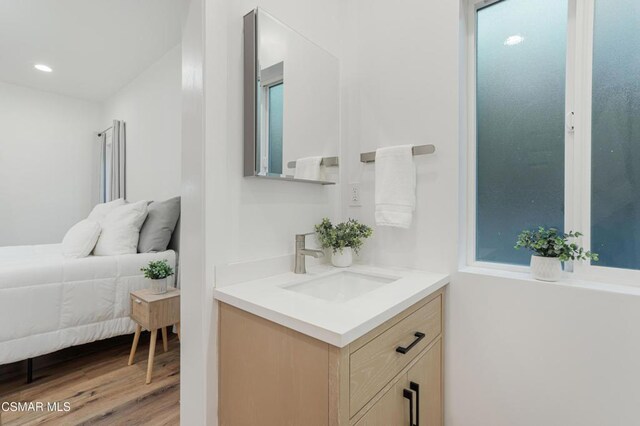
(370,157)
(326,161)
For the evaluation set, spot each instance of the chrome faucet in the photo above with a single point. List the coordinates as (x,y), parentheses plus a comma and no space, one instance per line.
(302,251)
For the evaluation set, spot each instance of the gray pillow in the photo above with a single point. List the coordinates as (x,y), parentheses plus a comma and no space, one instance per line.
(156,231)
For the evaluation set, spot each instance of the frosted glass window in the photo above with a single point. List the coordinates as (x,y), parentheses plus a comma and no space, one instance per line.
(520,83)
(615,169)
(276,104)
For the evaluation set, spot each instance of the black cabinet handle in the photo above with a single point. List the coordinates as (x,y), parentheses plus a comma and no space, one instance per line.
(409,395)
(416,388)
(419,336)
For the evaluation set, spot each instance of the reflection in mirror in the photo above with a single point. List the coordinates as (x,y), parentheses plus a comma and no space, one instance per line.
(291,104)
(270,119)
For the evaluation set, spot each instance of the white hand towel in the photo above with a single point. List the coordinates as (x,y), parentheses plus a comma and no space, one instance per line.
(395,186)
(308,168)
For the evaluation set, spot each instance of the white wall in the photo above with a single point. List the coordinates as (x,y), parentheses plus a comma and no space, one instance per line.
(48,155)
(401,87)
(524,352)
(195,382)
(151,106)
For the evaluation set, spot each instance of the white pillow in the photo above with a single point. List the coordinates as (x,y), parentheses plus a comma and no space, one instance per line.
(100,211)
(80,240)
(121,230)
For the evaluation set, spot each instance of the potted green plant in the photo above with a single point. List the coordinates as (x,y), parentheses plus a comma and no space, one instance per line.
(158,271)
(343,239)
(550,248)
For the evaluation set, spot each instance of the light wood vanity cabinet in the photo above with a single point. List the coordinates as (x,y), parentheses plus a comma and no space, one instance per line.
(272,375)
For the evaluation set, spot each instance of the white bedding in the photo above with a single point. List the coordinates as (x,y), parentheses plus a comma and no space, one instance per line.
(49,302)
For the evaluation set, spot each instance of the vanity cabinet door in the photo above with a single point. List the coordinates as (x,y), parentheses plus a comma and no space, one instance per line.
(270,375)
(427,375)
(390,410)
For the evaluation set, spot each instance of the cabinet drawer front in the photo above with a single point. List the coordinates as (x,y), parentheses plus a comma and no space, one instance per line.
(376,363)
(140,311)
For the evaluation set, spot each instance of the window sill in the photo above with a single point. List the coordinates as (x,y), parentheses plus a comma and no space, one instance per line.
(566,281)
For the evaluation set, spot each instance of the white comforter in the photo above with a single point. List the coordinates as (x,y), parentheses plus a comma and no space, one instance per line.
(48,302)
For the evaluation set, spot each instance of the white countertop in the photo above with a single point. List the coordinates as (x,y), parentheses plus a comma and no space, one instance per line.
(336,323)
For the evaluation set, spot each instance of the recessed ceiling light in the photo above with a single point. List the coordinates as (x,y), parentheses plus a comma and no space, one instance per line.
(42,67)
(513,40)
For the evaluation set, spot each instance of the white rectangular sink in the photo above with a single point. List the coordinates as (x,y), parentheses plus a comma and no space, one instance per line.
(341,286)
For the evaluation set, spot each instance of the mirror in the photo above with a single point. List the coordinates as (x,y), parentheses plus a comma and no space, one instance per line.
(291,104)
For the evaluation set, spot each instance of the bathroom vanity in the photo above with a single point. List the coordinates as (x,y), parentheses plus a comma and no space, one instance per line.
(361,346)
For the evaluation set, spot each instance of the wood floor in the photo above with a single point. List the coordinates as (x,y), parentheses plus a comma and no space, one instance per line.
(101,388)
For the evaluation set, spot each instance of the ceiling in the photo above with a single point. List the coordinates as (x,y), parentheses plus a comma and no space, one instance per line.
(95,47)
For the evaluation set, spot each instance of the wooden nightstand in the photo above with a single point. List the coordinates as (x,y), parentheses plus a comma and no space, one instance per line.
(151,312)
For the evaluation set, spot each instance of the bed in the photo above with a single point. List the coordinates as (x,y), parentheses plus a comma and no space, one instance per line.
(50,302)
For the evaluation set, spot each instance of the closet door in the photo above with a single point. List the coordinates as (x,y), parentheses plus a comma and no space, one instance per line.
(425,378)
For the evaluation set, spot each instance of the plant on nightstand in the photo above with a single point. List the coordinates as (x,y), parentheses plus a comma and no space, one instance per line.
(550,248)
(158,271)
(343,239)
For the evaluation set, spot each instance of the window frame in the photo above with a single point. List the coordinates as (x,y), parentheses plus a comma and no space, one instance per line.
(264,127)
(580,32)
(269,77)
(267,118)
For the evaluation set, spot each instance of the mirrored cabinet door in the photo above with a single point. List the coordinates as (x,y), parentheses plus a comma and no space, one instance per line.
(291,110)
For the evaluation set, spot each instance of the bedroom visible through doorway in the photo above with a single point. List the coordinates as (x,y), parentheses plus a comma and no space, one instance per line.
(90,189)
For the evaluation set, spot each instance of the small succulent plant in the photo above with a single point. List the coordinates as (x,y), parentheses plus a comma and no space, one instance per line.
(157,270)
(552,243)
(346,234)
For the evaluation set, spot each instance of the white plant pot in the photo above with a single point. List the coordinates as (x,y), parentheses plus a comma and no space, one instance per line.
(344,259)
(159,286)
(546,268)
